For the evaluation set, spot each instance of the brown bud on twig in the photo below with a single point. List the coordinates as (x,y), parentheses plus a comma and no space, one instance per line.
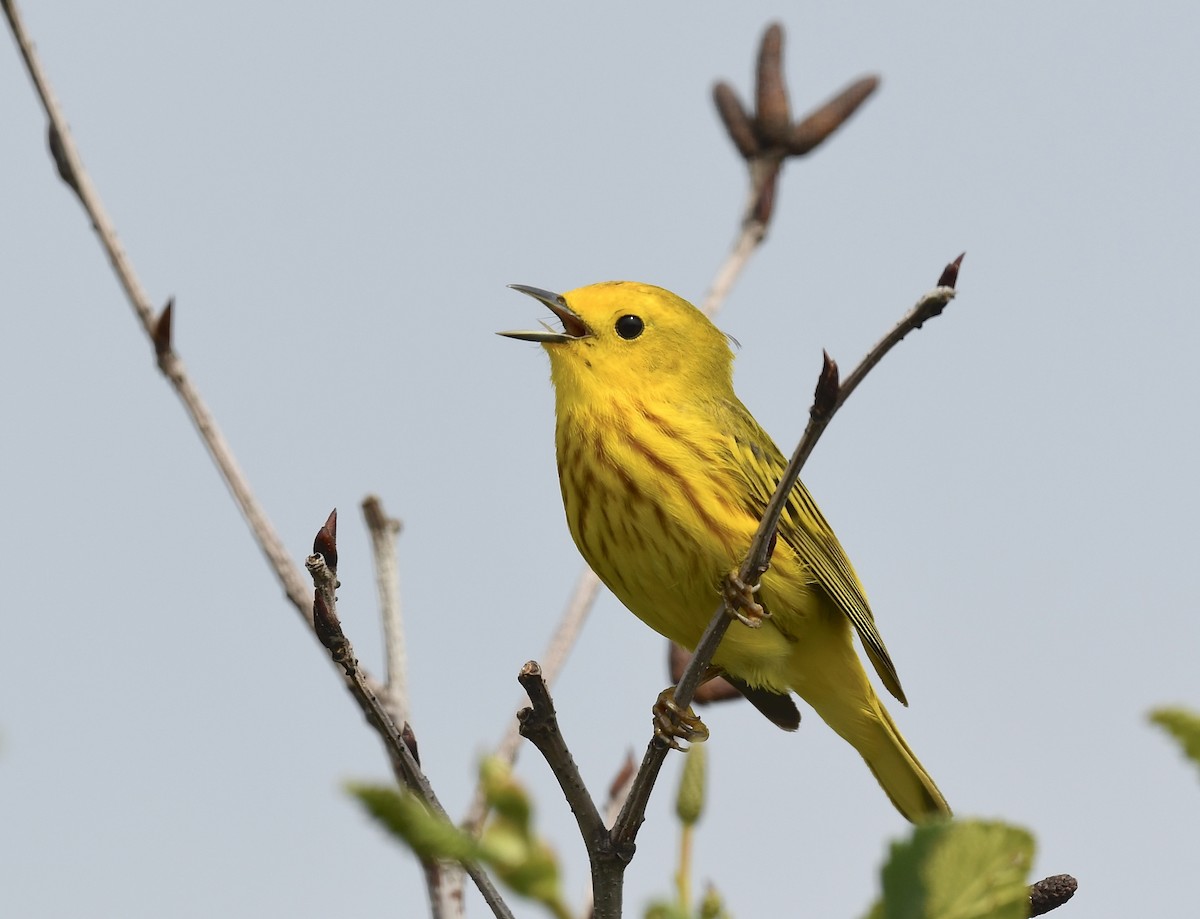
(1051,893)
(819,124)
(61,163)
(326,624)
(621,779)
(410,741)
(325,542)
(765,140)
(773,115)
(826,393)
(162,330)
(737,122)
(949,275)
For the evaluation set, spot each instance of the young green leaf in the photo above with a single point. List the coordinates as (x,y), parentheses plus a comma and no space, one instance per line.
(403,815)
(968,869)
(1184,726)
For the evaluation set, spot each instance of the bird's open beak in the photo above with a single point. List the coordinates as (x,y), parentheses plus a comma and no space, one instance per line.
(574,328)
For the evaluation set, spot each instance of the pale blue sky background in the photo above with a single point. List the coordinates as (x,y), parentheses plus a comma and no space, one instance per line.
(337,198)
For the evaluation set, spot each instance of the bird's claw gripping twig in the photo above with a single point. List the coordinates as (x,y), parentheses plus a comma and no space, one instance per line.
(740,602)
(673,723)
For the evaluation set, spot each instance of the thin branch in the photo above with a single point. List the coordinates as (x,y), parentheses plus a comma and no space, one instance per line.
(384,530)
(828,398)
(539,725)
(322,566)
(929,306)
(751,233)
(445,899)
(157,328)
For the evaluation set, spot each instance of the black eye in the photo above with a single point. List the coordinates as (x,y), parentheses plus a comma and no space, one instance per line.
(630,327)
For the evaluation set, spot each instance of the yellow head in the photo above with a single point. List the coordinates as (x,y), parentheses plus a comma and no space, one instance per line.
(621,335)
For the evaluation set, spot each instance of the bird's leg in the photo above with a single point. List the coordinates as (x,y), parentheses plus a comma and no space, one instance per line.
(673,723)
(740,602)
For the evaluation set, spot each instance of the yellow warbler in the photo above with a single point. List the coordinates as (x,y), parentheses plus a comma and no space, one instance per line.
(665,476)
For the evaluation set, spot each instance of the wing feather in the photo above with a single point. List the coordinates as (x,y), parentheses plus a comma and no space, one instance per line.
(804,528)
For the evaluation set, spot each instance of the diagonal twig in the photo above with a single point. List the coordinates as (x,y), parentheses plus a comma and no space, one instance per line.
(539,725)
(384,530)
(157,327)
(397,739)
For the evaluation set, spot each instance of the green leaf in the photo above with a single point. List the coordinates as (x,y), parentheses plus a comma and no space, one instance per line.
(430,836)
(969,869)
(1184,726)
(661,909)
(505,794)
(508,846)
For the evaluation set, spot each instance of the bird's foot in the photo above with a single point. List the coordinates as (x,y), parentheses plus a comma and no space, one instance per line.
(673,724)
(739,600)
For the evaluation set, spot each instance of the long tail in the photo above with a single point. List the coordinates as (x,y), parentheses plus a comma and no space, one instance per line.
(834,683)
(876,738)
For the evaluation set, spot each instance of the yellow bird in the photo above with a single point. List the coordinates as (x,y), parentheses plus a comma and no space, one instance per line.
(665,476)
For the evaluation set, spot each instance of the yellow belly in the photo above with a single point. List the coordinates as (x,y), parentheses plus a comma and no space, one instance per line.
(663,542)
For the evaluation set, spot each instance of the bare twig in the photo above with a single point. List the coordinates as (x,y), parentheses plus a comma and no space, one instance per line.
(751,234)
(157,327)
(929,306)
(539,725)
(322,566)
(618,789)
(828,398)
(384,530)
